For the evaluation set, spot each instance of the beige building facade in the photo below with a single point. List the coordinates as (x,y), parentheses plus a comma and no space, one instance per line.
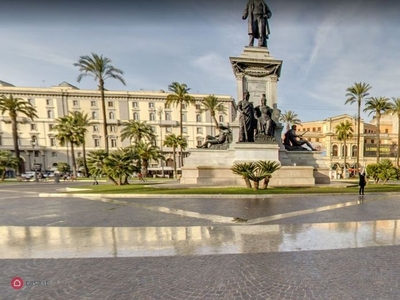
(57,101)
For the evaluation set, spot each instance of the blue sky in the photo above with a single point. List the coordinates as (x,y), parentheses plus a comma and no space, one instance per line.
(325,46)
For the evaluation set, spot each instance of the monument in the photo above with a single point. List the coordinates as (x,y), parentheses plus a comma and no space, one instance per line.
(257,132)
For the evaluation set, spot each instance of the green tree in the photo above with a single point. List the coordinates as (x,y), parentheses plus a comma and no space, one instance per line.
(290,118)
(395,109)
(100,68)
(378,106)
(214,106)
(179,98)
(386,171)
(245,170)
(147,152)
(256,171)
(7,161)
(96,162)
(137,131)
(175,141)
(356,94)
(68,131)
(83,122)
(118,166)
(63,167)
(267,168)
(344,131)
(16,107)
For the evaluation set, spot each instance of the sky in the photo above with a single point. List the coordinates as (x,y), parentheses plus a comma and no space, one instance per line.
(326,46)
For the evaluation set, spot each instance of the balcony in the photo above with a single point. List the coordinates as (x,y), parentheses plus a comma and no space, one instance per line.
(168,123)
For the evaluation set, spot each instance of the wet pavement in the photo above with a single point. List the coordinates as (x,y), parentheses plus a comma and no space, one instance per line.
(280,247)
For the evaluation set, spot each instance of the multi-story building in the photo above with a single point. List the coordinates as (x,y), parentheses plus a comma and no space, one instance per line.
(57,101)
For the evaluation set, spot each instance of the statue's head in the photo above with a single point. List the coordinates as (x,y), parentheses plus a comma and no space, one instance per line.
(246,95)
(294,127)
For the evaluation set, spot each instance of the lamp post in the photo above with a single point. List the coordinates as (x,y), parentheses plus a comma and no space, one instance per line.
(33,143)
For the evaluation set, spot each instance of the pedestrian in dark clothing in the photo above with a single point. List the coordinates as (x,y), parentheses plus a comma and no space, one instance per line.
(362,183)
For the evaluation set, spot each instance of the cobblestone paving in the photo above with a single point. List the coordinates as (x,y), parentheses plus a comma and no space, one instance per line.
(363,273)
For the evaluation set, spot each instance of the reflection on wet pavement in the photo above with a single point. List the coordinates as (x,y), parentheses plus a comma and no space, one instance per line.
(76,242)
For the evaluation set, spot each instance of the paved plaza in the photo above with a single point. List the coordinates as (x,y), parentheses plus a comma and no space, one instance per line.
(180,247)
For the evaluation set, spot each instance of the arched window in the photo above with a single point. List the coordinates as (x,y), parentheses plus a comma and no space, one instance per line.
(94,115)
(50,114)
(221,119)
(136,116)
(198,118)
(335,150)
(111,116)
(152,117)
(167,116)
(354,151)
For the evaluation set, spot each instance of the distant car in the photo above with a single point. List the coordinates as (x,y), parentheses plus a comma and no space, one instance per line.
(28,175)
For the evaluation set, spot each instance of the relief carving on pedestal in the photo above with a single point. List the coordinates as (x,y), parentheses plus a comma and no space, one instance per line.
(255,71)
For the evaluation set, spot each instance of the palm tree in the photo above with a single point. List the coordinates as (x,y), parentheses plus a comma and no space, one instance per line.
(378,105)
(7,161)
(396,110)
(99,67)
(175,141)
(137,131)
(83,122)
(344,131)
(15,108)
(245,170)
(290,118)
(356,94)
(179,97)
(118,165)
(213,105)
(267,168)
(147,152)
(96,162)
(69,132)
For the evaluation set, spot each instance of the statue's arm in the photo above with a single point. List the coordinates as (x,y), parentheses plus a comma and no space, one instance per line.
(246,11)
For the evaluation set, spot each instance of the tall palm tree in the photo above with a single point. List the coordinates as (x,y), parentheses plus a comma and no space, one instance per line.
(290,118)
(69,132)
(147,152)
(99,67)
(7,161)
(175,141)
(355,94)
(213,105)
(378,105)
(83,122)
(15,108)
(179,97)
(137,131)
(396,110)
(344,131)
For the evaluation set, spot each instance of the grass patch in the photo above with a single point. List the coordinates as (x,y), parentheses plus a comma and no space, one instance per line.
(147,188)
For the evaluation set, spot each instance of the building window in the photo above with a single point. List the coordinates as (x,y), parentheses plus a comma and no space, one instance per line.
(386,130)
(199,142)
(313,129)
(168,130)
(79,154)
(167,106)
(136,116)
(199,130)
(52,142)
(33,126)
(152,117)
(96,142)
(51,127)
(354,151)
(110,104)
(198,106)
(94,115)
(95,128)
(113,128)
(319,128)
(75,103)
(113,143)
(198,118)
(93,103)
(134,104)
(48,102)
(111,116)
(184,105)
(184,118)
(335,150)
(221,119)
(53,154)
(184,129)
(31,101)
(167,116)
(317,140)
(50,114)
(154,129)
(151,104)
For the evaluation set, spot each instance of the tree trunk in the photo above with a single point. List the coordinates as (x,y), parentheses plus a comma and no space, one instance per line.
(14,129)
(265,183)
(345,155)
(174,151)
(84,159)
(113,180)
(73,160)
(103,106)
(256,185)
(145,166)
(248,182)
(3,175)
(358,135)
(378,137)
(180,111)
(398,140)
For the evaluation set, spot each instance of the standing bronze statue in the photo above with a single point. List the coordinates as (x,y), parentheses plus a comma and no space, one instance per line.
(247,120)
(258,14)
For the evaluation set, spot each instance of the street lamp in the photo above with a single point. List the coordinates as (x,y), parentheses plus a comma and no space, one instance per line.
(33,143)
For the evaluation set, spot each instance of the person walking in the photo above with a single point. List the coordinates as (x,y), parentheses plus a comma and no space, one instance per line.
(362,182)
